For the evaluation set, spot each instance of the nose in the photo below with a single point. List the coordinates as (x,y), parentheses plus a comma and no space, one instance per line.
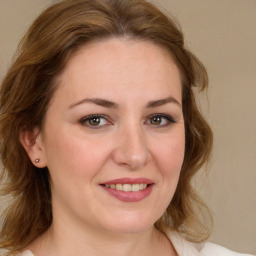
(131,149)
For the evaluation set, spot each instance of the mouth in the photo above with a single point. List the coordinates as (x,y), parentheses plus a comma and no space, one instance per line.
(127,187)
(129,190)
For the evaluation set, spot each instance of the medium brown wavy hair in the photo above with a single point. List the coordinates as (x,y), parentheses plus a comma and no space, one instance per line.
(29,86)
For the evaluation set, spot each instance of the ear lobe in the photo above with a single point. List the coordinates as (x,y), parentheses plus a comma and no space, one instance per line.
(31,140)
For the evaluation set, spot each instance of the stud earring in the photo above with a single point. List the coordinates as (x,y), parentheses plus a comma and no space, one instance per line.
(37,160)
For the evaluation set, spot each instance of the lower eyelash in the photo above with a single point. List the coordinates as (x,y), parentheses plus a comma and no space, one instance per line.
(168,117)
(86,118)
(83,120)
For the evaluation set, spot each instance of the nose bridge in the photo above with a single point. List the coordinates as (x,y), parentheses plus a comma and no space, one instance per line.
(132,149)
(135,141)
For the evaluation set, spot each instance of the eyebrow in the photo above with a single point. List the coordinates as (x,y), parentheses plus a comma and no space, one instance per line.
(96,101)
(161,102)
(109,104)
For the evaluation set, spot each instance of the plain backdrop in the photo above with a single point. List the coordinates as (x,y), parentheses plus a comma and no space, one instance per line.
(222,33)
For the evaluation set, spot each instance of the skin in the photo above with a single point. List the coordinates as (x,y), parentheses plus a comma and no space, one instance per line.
(125,142)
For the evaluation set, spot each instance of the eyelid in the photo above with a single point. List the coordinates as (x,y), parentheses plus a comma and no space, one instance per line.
(84,119)
(170,120)
(169,117)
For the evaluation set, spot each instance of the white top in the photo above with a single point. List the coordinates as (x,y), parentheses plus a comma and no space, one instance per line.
(185,248)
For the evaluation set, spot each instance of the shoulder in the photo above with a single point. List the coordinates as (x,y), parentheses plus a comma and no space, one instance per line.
(211,249)
(185,248)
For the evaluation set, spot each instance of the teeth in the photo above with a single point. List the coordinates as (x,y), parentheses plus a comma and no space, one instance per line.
(135,187)
(127,187)
(119,187)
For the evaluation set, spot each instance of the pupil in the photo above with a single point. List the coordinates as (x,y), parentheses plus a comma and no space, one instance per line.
(94,121)
(156,120)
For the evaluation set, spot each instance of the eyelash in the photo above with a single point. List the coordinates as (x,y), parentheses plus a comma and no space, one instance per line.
(85,120)
(169,119)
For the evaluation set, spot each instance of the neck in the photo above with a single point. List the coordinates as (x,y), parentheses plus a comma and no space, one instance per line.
(63,239)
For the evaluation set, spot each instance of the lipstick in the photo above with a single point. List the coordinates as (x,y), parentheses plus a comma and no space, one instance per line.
(129,189)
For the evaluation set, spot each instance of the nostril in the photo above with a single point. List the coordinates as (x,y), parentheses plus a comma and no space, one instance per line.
(131,152)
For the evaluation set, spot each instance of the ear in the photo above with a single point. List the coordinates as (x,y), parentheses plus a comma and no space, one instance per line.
(32,142)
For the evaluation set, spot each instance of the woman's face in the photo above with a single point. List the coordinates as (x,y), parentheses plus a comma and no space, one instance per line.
(114,136)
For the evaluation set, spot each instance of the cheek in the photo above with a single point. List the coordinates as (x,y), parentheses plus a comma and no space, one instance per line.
(73,163)
(170,154)
(70,154)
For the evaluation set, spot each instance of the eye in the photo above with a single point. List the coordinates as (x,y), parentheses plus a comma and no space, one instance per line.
(160,120)
(94,121)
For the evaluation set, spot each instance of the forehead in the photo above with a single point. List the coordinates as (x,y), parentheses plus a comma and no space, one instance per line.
(113,66)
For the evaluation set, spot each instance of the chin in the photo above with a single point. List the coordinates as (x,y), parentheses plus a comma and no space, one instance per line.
(129,224)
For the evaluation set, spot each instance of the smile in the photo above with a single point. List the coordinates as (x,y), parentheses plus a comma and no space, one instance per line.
(127,187)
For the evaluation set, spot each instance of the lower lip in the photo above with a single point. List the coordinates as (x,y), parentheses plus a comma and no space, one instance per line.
(129,196)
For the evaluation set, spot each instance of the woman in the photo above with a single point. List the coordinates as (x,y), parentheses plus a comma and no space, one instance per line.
(101,135)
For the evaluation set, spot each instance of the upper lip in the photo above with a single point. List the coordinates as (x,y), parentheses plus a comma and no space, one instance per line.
(129,181)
